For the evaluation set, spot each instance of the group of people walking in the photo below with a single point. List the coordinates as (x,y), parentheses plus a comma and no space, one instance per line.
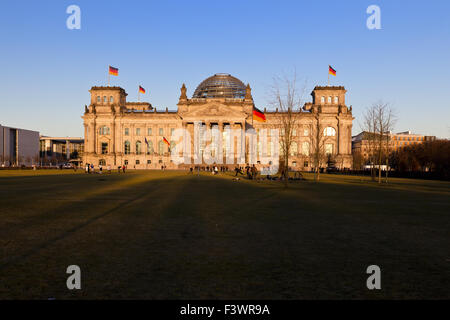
(250,171)
(89,168)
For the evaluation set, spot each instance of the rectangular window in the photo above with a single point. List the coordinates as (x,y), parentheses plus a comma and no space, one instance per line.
(149,161)
(127,131)
(294,132)
(137,162)
(305,164)
(305,148)
(126,162)
(172,131)
(138,131)
(328,148)
(104,147)
(305,132)
(161,131)
(149,131)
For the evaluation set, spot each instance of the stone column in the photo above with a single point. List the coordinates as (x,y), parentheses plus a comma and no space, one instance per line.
(67,150)
(190,130)
(241,153)
(340,136)
(113,139)
(92,137)
(220,144)
(86,138)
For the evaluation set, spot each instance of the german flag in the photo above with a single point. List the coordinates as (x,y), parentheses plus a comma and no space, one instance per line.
(258,115)
(166,142)
(141,90)
(331,71)
(113,71)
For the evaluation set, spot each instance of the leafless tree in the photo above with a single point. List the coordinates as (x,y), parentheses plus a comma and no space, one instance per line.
(385,119)
(379,120)
(369,126)
(288,99)
(317,139)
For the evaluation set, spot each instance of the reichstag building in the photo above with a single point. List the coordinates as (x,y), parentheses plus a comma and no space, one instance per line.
(135,134)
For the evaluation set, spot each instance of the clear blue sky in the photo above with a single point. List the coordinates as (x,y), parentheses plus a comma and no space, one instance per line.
(47,69)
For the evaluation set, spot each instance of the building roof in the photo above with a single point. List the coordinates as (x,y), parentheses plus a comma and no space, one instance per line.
(220,85)
(329,88)
(61,138)
(106,88)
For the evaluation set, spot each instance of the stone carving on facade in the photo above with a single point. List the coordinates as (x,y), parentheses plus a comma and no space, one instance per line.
(248,92)
(183,95)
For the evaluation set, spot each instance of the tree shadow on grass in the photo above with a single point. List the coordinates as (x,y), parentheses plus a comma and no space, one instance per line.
(211,237)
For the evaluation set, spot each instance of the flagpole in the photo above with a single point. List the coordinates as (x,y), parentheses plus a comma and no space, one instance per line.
(108,76)
(328,76)
(139,95)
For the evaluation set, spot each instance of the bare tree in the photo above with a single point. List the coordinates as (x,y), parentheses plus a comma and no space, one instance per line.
(288,99)
(369,134)
(379,120)
(317,139)
(385,120)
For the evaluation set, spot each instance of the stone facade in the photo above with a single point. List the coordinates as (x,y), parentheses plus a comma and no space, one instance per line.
(363,147)
(118,132)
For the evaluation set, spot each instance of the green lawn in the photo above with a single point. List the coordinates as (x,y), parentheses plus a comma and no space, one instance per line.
(169,235)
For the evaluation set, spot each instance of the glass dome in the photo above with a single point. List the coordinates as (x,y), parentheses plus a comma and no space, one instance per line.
(220,85)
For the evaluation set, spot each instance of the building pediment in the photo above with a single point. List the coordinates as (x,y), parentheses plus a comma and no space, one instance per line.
(214,110)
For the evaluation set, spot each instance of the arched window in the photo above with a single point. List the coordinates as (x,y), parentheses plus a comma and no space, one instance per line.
(102,162)
(104,130)
(336,100)
(329,100)
(160,147)
(329,132)
(138,147)
(305,148)
(111,99)
(322,99)
(149,147)
(127,147)
(294,148)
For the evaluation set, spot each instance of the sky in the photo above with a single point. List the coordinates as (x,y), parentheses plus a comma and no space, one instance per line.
(47,69)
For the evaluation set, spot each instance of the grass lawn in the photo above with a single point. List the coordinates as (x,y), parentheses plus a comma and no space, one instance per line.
(169,235)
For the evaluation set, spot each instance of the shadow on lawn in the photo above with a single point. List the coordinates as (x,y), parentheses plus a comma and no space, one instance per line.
(211,237)
(46,217)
